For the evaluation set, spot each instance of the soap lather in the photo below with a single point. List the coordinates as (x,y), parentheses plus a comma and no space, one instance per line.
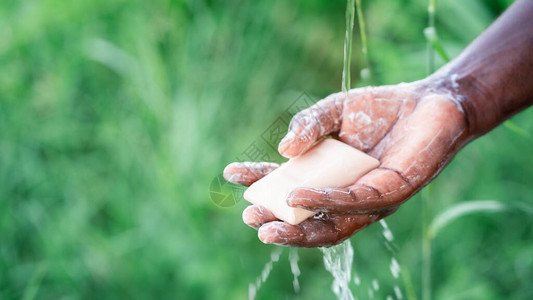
(330,163)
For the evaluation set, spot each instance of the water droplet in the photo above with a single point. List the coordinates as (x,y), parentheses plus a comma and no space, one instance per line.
(365,73)
(293,260)
(356,280)
(251,291)
(370,294)
(387,233)
(375,284)
(253,288)
(398,292)
(395,268)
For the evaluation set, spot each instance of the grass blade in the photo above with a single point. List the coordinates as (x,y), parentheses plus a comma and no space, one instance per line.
(365,72)
(514,128)
(462,209)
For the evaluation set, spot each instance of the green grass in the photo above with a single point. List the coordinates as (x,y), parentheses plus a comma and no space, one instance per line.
(116,115)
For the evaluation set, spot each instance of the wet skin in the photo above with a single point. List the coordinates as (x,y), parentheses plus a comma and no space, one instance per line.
(413,129)
(391,124)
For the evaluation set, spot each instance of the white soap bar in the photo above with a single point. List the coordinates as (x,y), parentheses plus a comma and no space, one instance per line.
(329,164)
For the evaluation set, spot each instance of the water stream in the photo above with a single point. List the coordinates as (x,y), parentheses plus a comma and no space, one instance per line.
(254,287)
(338,261)
(350,13)
(293,260)
(394,266)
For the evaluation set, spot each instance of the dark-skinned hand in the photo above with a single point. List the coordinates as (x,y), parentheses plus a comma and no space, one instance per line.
(412,129)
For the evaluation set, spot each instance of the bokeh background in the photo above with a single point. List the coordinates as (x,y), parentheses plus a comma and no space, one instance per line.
(115,116)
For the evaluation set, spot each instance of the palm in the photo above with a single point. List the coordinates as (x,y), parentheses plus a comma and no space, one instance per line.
(411,131)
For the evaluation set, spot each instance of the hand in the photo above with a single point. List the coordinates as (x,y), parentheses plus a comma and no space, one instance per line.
(413,129)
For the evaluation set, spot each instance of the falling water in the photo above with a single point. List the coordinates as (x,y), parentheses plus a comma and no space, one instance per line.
(398,292)
(370,294)
(395,268)
(387,233)
(375,284)
(356,279)
(394,265)
(350,12)
(255,286)
(293,260)
(338,261)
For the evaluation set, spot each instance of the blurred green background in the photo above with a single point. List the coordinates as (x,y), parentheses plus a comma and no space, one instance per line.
(116,115)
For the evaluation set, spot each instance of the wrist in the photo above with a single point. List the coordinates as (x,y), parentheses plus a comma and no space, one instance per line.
(480,107)
(491,77)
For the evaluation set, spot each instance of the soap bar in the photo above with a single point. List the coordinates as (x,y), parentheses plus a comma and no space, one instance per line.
(329,164)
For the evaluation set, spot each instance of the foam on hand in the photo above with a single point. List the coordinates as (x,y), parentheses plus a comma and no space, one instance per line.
(329,164)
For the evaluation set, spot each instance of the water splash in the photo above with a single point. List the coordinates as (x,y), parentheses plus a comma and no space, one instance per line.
(293,260)
(254,287)
(338,261)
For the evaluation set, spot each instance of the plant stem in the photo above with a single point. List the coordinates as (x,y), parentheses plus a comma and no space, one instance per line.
(518,130)
(426,243)
(365,72)
(429,50)
(426,209)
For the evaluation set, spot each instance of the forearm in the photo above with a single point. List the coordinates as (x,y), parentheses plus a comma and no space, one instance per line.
(493,76)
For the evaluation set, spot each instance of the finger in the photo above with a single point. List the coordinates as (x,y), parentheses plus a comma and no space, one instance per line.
(256,215)
(309,125)
(281,233)
(379,189)
(370,115)
(246,173)
(421,150)
(317,232)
